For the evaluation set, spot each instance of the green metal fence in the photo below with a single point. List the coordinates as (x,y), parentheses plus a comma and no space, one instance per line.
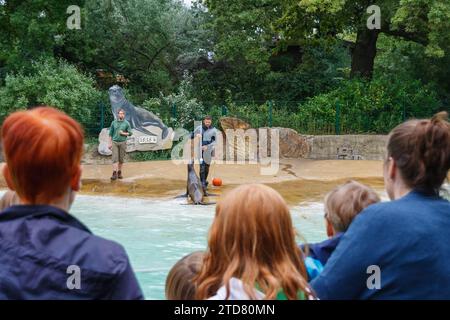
(339,119)
(336,120)
(101,118)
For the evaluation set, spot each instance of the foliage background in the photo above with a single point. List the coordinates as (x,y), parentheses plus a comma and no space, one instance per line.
(271,62)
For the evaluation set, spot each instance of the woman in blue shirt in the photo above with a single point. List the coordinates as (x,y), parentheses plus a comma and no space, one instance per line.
(399,249)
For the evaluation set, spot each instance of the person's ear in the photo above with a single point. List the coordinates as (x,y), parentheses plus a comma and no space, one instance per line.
(75,183)
(392,169)
(8,178)
(330,229)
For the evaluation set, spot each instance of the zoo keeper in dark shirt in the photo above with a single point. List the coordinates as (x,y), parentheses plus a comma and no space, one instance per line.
(208,135)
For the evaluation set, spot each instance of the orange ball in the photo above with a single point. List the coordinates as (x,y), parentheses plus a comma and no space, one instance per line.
(217,182)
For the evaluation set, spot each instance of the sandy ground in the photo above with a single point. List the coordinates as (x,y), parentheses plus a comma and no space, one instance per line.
(297,179)
(289,169)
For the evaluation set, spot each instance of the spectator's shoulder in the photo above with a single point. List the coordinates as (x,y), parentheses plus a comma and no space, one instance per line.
(106,262)
(371,216)
(386,213)
(103,256)
(376,208)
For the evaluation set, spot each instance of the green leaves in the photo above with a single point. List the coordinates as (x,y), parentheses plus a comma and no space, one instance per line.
(430,18)
(422,21)
(243,51)
(29,29)
(245,31)
(53,83)
(140,39)
(331,6)
(372,106)
(180,109)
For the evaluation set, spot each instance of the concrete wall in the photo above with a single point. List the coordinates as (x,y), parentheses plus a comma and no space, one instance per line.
(352,147)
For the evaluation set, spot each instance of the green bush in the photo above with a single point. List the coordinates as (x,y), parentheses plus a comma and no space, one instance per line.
(177,109)
(371,107)
(53,83)
(365,107)
(257,115)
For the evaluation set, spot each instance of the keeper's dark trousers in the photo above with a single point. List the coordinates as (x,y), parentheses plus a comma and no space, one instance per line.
(204,171)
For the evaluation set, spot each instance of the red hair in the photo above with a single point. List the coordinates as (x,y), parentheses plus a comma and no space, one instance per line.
(42,149)
(252,238)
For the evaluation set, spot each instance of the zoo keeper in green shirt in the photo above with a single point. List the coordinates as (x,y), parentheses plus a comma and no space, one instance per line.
(118,132)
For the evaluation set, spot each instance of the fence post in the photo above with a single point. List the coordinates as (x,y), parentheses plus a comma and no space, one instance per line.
(174,111)
(337,128)
(102,116)
(224,110)
(270,113)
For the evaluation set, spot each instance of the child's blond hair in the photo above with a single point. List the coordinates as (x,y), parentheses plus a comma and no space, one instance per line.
(344,202)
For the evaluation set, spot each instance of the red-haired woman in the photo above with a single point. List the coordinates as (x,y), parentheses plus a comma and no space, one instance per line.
(252,253)
(399,249)
(45,253)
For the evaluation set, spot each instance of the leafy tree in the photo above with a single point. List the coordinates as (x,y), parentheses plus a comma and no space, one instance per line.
(140,39)
(407,60)
(422,21)
(252,63)
(323,67)
(244,30)
(180,109)
(31,30)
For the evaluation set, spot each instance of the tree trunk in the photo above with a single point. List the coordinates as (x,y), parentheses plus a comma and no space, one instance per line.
(364,52)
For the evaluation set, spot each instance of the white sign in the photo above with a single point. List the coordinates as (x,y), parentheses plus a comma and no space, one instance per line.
(147,139)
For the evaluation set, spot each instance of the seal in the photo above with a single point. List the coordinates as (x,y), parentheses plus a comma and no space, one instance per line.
(138,118)
(194,188)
